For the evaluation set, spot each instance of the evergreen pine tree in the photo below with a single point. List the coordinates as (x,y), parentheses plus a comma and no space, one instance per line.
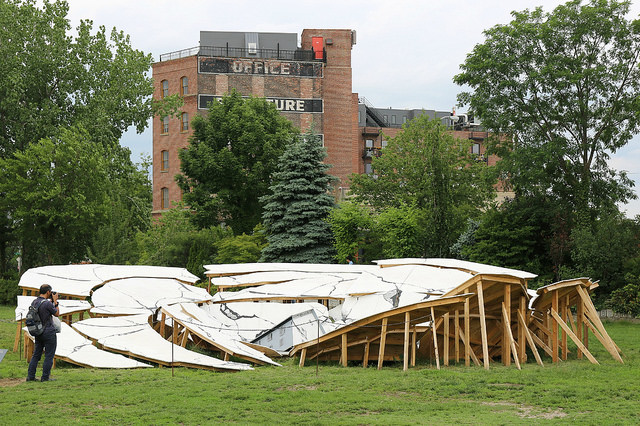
(295,213)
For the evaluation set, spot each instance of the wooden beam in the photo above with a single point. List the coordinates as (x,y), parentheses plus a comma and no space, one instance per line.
(604,338)
(483,326)
(506,325)
(467,343)
(456,333)
(512,344)
(522,328)
(542,344)
(413,347)
(445,339)
(575,339)
(163,320)
(435,338)
(343,351)
(303,355)
(554,328)
(405,360)
(365,358)
(563,315)
(383,340)
(532,345)
(580,327)
(472,355)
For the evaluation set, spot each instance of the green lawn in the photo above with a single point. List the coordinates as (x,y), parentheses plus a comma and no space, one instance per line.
(572,392)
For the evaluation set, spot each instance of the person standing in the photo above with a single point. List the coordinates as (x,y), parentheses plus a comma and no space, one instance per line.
(47,340)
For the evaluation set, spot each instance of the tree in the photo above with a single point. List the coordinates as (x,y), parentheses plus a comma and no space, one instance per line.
(230,161)
(351,225)
(426,168)
(564,88)
(54,191)
(296,212)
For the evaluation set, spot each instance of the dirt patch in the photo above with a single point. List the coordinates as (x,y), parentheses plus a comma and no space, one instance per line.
(7,383)
(529,411)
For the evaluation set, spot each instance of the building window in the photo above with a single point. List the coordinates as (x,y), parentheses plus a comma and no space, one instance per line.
(165,198)
(165,161)
(368,143)
(184,86)
(393,119)
(385,118)
(475,148)
(359,117)
(404,119)
(165,125)
(165,88)
(185,122)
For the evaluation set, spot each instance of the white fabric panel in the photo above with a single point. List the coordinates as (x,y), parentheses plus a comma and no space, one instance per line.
(133,335)
(273,277)
(131,296)
(207,327)
(476,268)
(65,306)
(246,268)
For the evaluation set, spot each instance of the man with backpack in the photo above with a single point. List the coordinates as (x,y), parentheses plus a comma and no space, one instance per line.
(47,306)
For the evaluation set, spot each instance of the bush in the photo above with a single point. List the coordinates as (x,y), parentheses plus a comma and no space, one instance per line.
(9,290)
(626,300)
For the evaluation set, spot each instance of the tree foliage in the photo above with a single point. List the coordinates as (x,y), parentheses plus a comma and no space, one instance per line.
(230,161)
(351,225)
(295,213)
(564,88)
(426,168)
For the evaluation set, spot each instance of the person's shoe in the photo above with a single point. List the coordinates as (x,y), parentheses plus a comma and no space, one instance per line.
(30,379)
(47,380)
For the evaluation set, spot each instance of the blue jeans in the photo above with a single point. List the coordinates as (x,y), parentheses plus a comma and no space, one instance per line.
(47,341)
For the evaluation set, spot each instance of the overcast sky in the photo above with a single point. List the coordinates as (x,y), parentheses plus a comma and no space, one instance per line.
(406,54)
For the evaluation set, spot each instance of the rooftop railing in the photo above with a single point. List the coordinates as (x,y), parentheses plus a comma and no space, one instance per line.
(242,52)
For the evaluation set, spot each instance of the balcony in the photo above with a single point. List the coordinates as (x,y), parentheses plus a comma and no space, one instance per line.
(241,52)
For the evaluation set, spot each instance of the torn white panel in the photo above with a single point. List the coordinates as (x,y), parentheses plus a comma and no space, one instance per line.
(65,306)
(273,277)
(200,322)
(328,286)
(79,280)
(246,268)
(298,328)
(355,308)
(250,319)
(76,349)
(132,335)
(463,265)
(131,296)
(423,277)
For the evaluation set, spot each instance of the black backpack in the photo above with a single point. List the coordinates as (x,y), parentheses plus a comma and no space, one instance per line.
(33,320)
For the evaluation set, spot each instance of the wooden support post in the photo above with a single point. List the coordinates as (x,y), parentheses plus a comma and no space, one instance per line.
(445,339)
(383,340)
(303,356)
(575,339)
(413,346)
(226,356)
(580,327)
(522,329)
(162,322)
(407,321)
(512,344)
(532,345)
(563,315)
(554,328)
(435,338)
(343,350)
(483,327)
(473,356)
(467,324)
(456,333)
(506,325)
(592,314)
(185,338)
(365,358)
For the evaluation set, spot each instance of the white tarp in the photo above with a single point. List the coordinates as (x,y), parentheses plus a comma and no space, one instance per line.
(463,265)
(73,347)
(79,280)
(204,325)
(131,296)
(273,277)
(134,336)
(247,268)
(356,308)
(65,306)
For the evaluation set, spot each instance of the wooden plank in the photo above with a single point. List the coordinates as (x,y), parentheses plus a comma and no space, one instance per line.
(575,339)
(506,325)
(383,339)
(532,344)
(563,315)
(579,326)
(522,328)
(303,355)
(554,329)
(343,351)
(456,333)
(512,344)
(435,338)
(592,314)
(185,338)
(365,358)
(405,360)
(163,320)
(483,327)
(414,342)
(445,339)
(467,325)
(542,344)
(472,355)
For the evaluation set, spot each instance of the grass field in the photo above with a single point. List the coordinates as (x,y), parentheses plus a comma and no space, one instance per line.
(571,392)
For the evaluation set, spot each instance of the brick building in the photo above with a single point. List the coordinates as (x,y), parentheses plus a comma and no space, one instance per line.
(310,83)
